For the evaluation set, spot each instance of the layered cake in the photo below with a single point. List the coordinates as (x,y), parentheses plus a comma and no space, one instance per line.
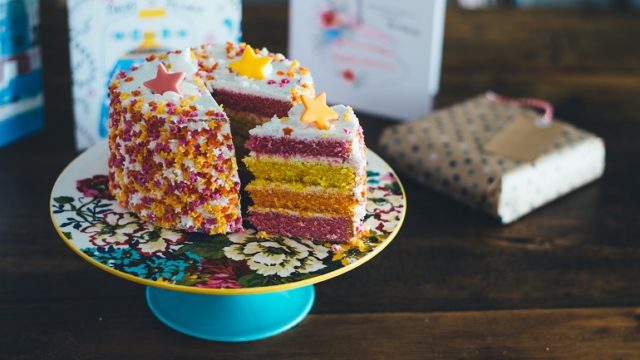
(172,156)
(172,159)
(253,85)
(310,173)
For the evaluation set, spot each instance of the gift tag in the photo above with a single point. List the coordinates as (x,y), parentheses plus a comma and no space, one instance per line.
(523,138)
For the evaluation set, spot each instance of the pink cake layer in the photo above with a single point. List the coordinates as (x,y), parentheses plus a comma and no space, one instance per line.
(251,103)
(286,146)
(325,228)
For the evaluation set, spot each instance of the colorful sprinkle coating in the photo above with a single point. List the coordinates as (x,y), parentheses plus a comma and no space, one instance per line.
(172,161)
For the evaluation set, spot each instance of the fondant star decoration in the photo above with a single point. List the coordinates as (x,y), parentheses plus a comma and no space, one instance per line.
(317,111)
(251,65)
(165,81)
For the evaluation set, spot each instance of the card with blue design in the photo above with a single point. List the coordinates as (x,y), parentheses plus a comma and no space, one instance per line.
(108,36)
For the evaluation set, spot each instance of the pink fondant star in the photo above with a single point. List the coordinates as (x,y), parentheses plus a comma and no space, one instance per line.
(165,81)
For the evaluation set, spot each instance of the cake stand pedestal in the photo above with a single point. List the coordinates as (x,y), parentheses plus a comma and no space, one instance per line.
(231,318)
(234,287)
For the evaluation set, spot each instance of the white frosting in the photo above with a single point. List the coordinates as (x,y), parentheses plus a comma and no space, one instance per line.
(277,83)
(271,86)
(182,62)
(343,129)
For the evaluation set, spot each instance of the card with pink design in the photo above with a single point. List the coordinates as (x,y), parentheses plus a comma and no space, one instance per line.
(378,56)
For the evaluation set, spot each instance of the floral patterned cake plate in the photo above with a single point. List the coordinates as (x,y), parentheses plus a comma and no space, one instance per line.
(234,287)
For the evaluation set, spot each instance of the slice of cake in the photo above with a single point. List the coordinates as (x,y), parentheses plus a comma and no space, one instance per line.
(253,85)
(310,173)
(172,160)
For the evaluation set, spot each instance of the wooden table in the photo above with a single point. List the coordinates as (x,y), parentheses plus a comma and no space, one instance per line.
(562,282)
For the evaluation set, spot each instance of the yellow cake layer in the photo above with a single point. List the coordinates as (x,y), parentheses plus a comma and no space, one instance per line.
(304,172)
(300,198)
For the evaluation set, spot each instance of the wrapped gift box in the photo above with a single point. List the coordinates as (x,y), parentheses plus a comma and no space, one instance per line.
(447,151)
(381,57)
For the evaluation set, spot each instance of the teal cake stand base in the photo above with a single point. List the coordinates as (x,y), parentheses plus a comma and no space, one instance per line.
(231,318)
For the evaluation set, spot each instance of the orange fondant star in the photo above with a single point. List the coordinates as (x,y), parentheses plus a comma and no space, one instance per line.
(165,81)
(317,111)
(250,64)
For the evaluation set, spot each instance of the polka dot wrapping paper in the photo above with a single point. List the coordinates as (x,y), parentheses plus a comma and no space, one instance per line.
(446,151)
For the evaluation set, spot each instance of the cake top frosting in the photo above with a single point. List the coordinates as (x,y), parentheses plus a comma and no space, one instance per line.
(344,127)
(207,68)
(267,74)
(138,88)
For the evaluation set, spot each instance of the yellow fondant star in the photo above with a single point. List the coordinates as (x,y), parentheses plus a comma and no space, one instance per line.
(317,111)
(250,64)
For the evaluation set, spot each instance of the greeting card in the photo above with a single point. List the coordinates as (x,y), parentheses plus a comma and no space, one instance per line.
(108,36)
(378,56)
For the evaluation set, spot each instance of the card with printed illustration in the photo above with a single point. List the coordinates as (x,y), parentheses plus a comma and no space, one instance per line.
(379,57)
(110,36)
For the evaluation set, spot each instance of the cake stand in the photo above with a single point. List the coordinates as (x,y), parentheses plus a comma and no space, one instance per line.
(235,287)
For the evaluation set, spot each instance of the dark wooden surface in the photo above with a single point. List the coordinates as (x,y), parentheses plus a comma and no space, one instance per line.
(562,282)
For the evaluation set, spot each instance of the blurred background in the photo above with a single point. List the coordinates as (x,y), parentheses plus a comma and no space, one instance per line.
(516,3)
(54,47)
(576,258)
